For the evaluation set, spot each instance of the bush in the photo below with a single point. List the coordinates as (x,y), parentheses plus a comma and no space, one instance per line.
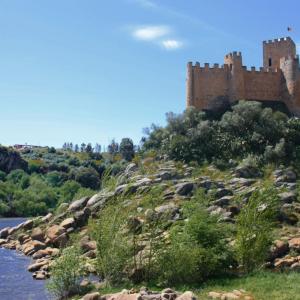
(254,228)
(87,177)
(66,273)
(113,251)
(198,249)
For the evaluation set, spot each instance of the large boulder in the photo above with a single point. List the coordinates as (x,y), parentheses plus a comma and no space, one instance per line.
(4,233)
(279,249)
(287,197)
(37,265)
(32,246)
(168,211)
(247,171)
(81,217)
(45,252)
(28,224)
(67,223)
(184,188)
(54,232)
(78,204)
(37,234)
(94,199)
(294,244)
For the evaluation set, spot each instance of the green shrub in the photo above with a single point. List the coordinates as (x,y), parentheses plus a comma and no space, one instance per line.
(254,228)
(66,273)
(87,177)
(113,250)
(198,249)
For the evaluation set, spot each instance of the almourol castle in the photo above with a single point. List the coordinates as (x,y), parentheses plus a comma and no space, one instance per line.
(210,87)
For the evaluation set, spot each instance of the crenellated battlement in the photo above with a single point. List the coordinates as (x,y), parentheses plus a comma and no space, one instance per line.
(233,54)
(206,66)
(280,40)
(261,70)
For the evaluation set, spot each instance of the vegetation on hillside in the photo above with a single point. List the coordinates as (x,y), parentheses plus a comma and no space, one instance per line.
(36,181)
(204,200)
(249,129)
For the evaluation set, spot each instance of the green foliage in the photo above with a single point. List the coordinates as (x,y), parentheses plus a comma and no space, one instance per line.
(88,178)
(198,249)
(113,251)
(10,160)
(127,149)
(4,208)
(53,177)
(66,273)
(247,129)
(2,176)
(254,228)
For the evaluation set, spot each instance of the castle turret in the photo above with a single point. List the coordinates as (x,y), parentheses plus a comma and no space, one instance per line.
(291,88)
(274,50)
(189,85)
(236,80)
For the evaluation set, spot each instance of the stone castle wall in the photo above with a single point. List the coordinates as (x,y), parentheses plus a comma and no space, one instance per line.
(208,86)
(262,85)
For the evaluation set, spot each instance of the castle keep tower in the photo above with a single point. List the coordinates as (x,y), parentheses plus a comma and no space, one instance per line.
(273,51)
(209,87)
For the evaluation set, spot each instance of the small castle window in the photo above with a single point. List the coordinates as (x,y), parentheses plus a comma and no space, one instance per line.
(270,62)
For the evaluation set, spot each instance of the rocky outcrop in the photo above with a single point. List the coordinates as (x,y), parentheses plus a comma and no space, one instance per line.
(143,294)
(11,160)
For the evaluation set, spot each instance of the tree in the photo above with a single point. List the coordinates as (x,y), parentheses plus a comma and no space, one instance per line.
(88,177)
(113,147)
(76,148)
(89,148)
(127,149)
(82,147)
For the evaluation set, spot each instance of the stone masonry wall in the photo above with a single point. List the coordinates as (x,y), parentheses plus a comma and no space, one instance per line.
(262,85)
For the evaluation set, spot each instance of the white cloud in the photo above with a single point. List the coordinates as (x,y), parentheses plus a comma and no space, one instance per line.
(160,35)
(298,47)
(150,33)
(171,44)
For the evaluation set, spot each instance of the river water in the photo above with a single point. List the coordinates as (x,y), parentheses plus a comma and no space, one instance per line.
(16,282)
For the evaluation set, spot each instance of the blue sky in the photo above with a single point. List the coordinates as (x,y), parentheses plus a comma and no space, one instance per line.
(93,70)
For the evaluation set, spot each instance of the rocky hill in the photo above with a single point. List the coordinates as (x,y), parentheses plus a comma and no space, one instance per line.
(153,197)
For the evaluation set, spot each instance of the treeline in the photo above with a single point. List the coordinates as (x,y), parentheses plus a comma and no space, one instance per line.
(125,148)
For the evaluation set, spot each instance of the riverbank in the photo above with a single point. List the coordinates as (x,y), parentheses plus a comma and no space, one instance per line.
(15,281)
